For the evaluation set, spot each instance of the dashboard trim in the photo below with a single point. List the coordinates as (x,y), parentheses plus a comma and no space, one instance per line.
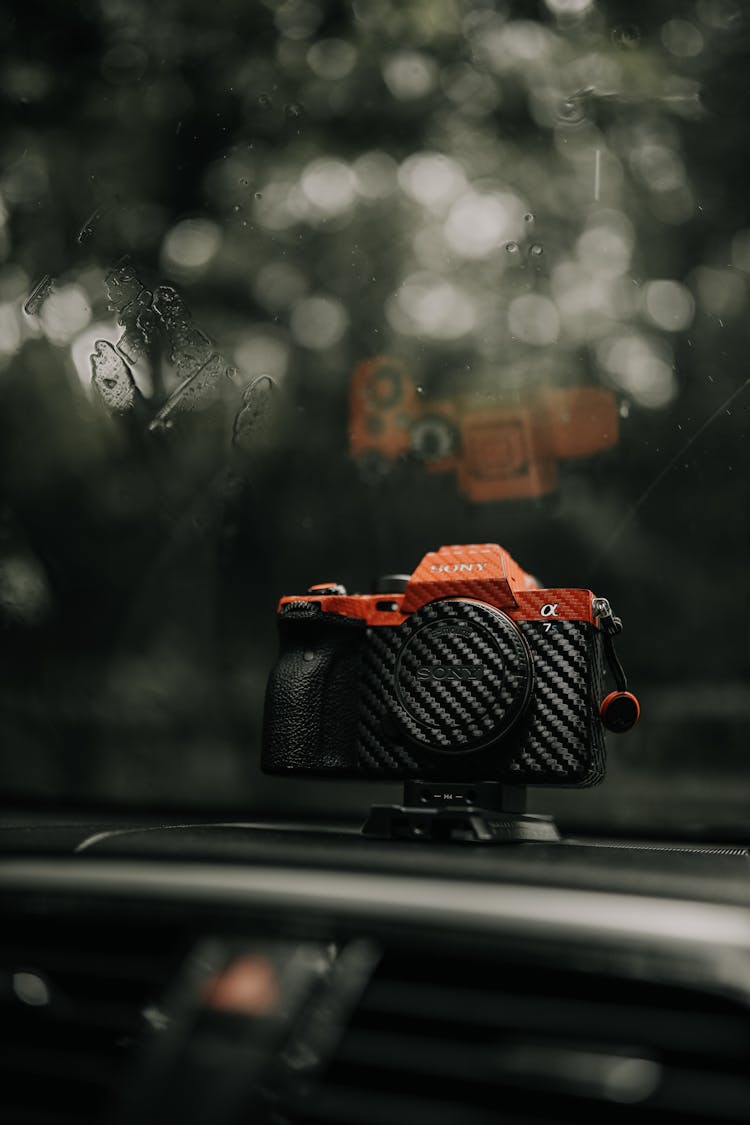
(539,911)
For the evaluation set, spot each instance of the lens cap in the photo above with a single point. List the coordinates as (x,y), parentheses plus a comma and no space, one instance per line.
(463,676)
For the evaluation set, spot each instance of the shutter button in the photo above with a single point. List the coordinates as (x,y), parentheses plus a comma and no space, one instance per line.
(391,584)
(327,588)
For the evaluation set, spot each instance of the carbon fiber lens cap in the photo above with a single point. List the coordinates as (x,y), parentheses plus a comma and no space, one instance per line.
(463,676)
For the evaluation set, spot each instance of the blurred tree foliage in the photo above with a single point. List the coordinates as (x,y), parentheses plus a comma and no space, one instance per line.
(504,195)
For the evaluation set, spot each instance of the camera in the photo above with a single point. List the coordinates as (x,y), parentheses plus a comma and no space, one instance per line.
(464,670)
(503,451)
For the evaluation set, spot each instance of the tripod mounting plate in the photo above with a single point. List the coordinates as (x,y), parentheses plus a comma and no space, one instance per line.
(483,813)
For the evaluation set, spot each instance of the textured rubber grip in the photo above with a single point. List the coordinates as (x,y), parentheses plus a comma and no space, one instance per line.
(310,719)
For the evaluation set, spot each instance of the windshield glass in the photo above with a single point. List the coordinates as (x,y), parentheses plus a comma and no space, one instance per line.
(294,293)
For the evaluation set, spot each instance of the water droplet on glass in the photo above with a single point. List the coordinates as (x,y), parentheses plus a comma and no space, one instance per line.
(112,379)
(528,217)
(511,247)
(259,195)
(123,286)
(251,423)
(264,101)
(293,109)
(624,409)
(201,390)
(536,249)
(571,110)
(146,322)
(39,295)
(627,36)
(139,322)
(88,229)
(190,348)
(243,181)
(194,356)
(130,346)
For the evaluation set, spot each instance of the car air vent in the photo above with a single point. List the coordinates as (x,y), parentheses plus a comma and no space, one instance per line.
(441,1040)
(133,1018)
(75,996)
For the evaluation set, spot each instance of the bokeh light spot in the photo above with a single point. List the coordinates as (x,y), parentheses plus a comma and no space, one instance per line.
(376,174)
(318,322)
(432,179)
(31,989)
(668,304)
(329,185)
(65,313)
(682,38)
(568,7)
(10,329)
(409,75)
(427,304)
(719,292)
(660,167)
(740,250)
(190,245)
(605,246)
(261,352)
(332,59)
(640,367)
(279,284)
(477,222)
(534,320)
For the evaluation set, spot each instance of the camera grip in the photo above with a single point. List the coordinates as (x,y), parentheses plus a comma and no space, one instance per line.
(310,719)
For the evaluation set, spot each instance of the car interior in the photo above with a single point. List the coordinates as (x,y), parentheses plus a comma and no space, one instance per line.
(374,538)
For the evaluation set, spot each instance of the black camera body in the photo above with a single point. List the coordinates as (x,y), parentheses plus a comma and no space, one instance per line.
(465,670)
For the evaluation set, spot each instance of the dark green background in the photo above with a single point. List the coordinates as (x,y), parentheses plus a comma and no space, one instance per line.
(135,654)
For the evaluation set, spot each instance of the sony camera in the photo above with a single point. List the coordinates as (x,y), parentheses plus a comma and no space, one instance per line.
(503,451)
(464,670)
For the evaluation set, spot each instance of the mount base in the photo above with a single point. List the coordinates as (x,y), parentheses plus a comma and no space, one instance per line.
(486,812)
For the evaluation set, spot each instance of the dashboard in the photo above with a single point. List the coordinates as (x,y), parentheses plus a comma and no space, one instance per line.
(296,973)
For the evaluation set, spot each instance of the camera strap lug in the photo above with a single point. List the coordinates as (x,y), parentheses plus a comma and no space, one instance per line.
(610,627)
(620,709)
(607,621)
